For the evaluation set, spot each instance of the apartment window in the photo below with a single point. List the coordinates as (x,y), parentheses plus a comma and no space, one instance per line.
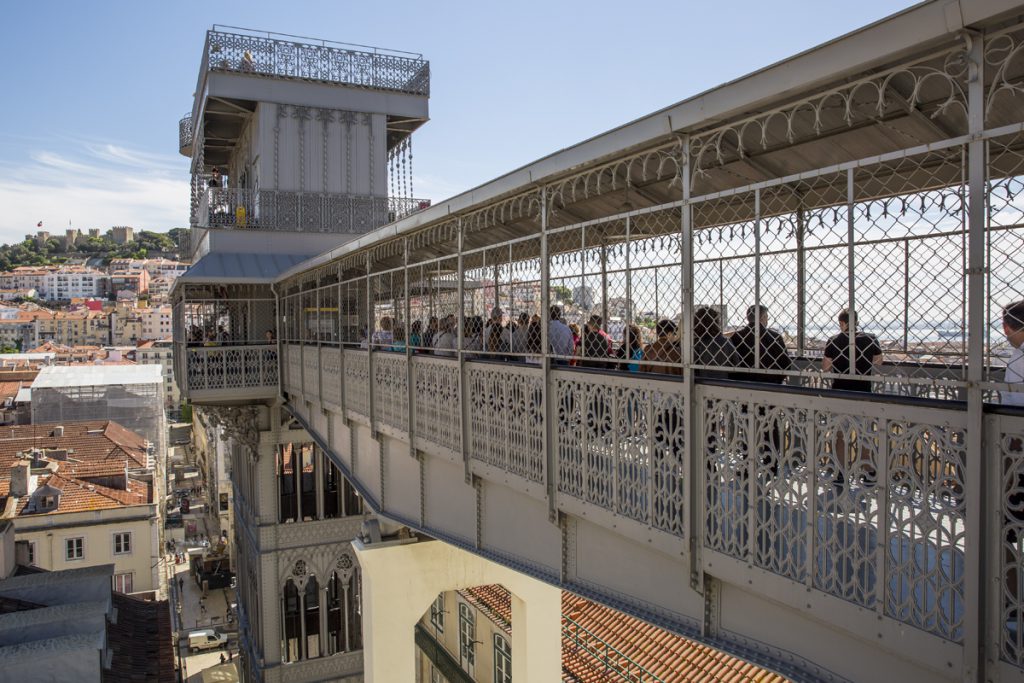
(123,582)
(467,639)
(437,613)
(436,676)
(122,543)
(74,549)
(502,660)
(31,553)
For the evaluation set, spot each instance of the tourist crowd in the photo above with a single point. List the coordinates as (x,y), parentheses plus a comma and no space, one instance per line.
(753,353)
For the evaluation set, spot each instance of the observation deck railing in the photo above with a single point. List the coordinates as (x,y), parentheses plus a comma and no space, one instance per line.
(234,371)
(185,134)
(230,208)
(283,56)
(862,499)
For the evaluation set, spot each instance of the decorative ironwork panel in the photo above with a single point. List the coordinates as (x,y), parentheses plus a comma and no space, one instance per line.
(847,449)
(863,501)
(356,366)
(506,418)
(438,405)
(310,371)
(294,367)
(391,381)
(230,367)
(725,438)
(267,55)
(621,446)
(330,366)
(185,131)
(925,565)
(1007,440)
(782,488)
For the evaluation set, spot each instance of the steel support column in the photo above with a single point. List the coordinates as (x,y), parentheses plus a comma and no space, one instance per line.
(978,651)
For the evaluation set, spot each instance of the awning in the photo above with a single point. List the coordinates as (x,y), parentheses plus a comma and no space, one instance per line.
(228,268)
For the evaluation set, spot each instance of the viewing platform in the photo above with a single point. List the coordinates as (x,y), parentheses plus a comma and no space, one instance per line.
(784,424)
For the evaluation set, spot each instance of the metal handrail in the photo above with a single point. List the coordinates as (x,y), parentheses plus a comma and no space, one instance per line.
(185,131)
(266,55)
(301,211)
(609,657)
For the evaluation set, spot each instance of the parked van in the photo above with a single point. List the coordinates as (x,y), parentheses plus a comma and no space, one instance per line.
(206,639)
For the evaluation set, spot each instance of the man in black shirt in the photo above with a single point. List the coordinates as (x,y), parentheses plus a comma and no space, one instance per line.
(773,349)
(868,353)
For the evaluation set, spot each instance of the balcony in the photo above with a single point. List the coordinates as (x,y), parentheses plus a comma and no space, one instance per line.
(218,373)
(230,208)
(185,134)
(285,56)
(222,354)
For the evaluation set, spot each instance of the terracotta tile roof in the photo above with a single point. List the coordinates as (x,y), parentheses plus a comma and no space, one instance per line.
(671,657)
(77,495)
(141,642)
(94,442)
(11,389)
(25,374)
(494,601)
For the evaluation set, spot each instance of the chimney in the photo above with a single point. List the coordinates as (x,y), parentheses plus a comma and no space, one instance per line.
(8,549)
(22,481)
(58,431)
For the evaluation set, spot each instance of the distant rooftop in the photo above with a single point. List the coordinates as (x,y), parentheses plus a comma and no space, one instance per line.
(97,375)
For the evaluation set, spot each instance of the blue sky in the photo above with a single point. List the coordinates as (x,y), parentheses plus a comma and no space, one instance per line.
(94,90)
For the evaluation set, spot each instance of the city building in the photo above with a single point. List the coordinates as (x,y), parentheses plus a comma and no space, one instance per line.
(156,322)
(846,524)
(72,625)
(126,326)
(159,289)
(74,282)
(72,328)
(136,282)
(25,278)
(161,352)
(12,294)
(83,494)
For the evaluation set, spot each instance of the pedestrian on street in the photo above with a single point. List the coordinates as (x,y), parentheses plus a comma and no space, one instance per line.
(181,584)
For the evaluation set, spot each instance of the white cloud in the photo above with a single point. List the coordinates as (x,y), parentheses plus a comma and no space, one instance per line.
(93,185)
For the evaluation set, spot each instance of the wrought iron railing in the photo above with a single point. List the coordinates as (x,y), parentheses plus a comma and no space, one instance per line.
(219,368)
(271,54)
(185,131)
(301,211)
(610,661)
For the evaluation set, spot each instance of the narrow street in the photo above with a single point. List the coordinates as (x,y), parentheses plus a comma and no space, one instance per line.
(192,611)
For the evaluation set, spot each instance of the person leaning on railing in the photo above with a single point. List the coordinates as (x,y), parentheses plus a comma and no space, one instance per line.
(1013,328)
(665,349)
(710,346)
(868,354)
(446,341)
(773,354)
(631,352)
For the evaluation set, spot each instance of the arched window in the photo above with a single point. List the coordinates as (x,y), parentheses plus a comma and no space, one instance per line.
(292,617)
(288,499)
(306,459)
(311,610)
(344,621)
(502,659)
